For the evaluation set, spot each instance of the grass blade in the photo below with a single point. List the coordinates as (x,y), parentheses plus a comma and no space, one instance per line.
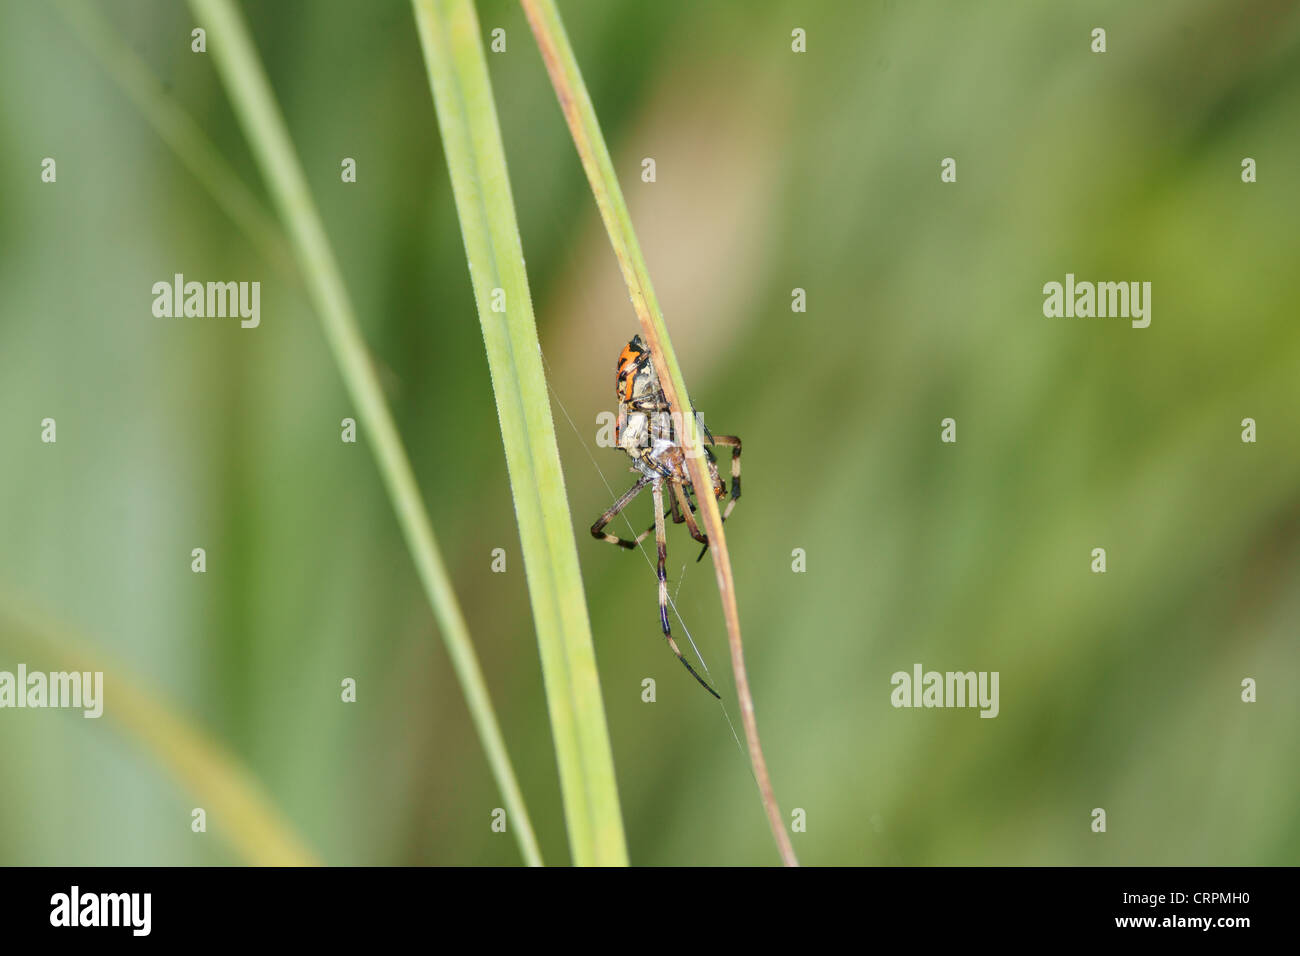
(462,93)
(254,104)
(544,19)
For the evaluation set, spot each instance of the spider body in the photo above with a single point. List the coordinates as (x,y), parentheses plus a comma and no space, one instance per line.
(645,427)
(646,431)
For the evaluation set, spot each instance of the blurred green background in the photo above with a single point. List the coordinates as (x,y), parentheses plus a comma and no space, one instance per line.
(775,170)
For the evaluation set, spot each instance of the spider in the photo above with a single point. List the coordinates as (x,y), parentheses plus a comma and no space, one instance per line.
(645,430)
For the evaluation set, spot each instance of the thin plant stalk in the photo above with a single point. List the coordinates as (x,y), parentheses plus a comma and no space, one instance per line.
(254,104)
(557,54)
(177,128)
(462,93)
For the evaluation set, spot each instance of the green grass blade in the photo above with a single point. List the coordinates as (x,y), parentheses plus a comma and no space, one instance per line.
(575,102)
(235,802)
(254,104)
(462,93)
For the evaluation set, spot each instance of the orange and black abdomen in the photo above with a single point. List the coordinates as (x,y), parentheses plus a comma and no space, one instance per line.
(630,361)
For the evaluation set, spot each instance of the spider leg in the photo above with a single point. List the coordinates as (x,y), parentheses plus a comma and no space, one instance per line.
(662,541)
(687,511)
(692,524)
(598,529)
(677,514)
(732,442)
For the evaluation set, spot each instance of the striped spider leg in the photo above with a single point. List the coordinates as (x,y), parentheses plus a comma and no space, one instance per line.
(728,441)
(661,541)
